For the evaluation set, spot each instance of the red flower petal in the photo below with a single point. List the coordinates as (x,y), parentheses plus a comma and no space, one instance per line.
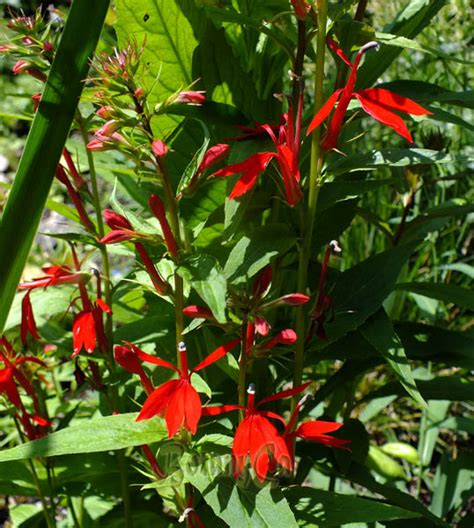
(393,101)
(250,168)
(385,116)
(324,111)
(215,410)
(285,394)
(83,333)
(103,306)
(217,354)
(158,400)
(28,323)
(338,51)
(151,359)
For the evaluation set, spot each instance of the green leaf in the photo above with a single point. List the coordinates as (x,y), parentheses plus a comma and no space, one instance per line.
(326,509)
(430,429)
(169,46)
(204,274)
(238,504)
(255,250)
(360,291)
(448,293)
(106,433)
(454,478)
(359,474)
(454,388)
(431,343)
(339,190)
(392,157)
(45,142)
(46,303)
(415,16)
(406,43)
(379,332)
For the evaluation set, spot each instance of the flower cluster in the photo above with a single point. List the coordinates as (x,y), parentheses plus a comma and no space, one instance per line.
(257,437)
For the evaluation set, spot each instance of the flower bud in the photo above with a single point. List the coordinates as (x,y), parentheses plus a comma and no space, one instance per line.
(116,221)
(159,148)
(105,112)
(214,155)
(191,97)
(198,312)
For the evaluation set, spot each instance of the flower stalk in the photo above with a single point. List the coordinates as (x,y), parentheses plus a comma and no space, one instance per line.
(317,155)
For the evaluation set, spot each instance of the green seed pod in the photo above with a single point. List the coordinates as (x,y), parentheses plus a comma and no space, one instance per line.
(381,463)
(403,451)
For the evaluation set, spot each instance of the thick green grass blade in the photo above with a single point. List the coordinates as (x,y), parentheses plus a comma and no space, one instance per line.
(45,142)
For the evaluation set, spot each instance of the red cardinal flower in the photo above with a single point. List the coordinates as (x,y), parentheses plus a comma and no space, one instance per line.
(88,328)
(55,275)
(377,102)
(256,437)
(313,431)
(287,146)
(177,398)
(28,323)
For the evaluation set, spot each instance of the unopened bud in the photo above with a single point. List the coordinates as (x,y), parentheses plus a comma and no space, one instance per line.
(159,148)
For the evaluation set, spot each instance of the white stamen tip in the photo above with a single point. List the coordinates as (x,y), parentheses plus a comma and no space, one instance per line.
(304,399)
(185,514)
(334,245)
(370,45)
(181,346)
(251,389)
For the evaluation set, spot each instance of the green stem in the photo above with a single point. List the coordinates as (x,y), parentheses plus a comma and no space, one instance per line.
(70,504)
(50,521)
(100,232)
(314,184)
(125,490)
(172,206)
(242,389)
